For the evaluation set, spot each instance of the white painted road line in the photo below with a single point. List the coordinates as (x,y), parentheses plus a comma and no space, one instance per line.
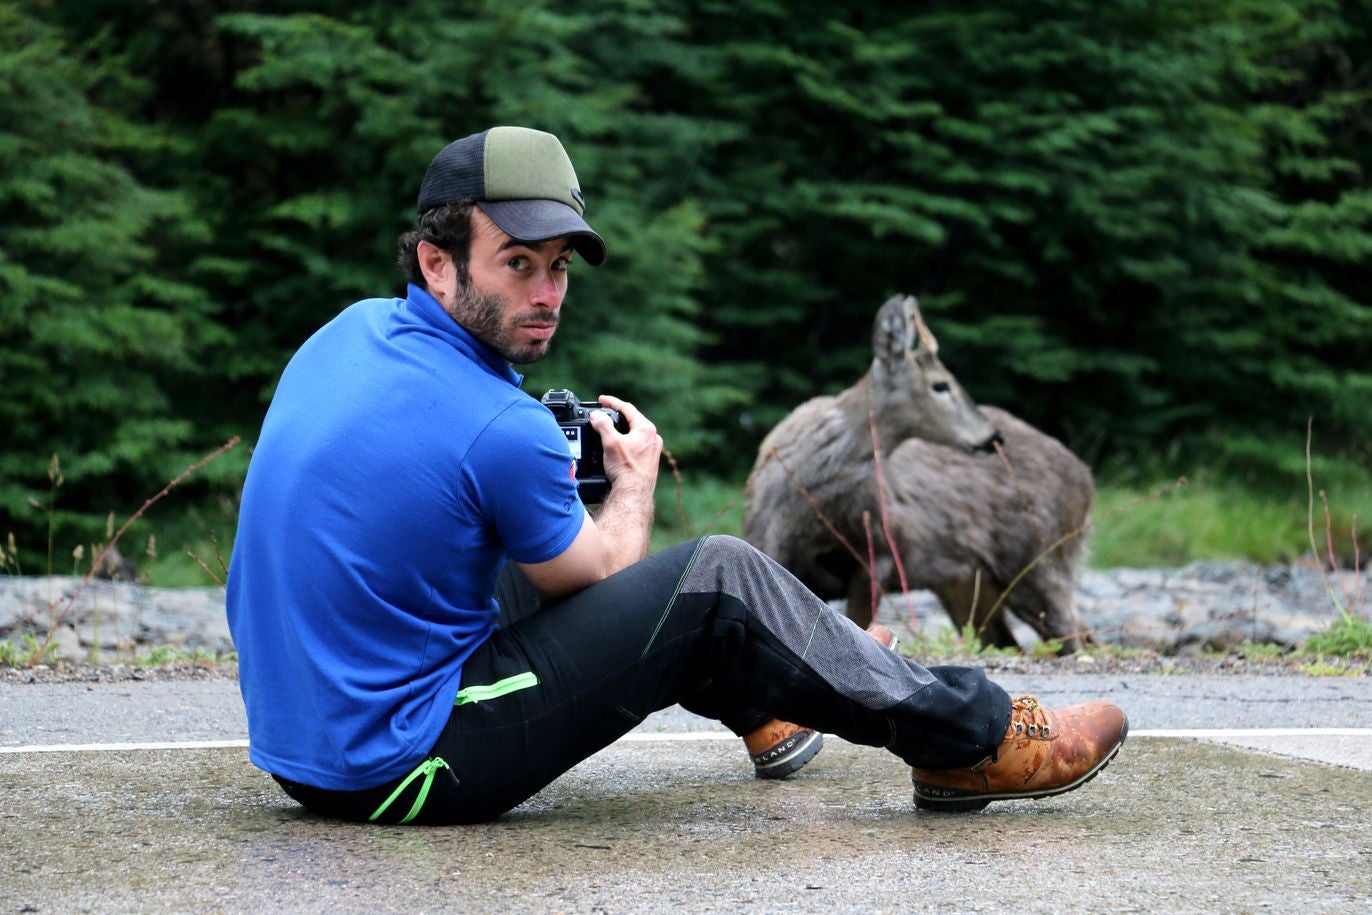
(648,737)
(115,747)
(1225,733)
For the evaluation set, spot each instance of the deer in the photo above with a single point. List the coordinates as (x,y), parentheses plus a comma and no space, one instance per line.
(903,481)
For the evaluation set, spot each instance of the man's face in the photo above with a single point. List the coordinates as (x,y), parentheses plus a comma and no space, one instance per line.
(514,295)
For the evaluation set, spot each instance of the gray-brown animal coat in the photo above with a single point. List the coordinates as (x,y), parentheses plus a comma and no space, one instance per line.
(964,524)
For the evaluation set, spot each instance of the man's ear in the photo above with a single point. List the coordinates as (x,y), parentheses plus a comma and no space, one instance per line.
(440,274)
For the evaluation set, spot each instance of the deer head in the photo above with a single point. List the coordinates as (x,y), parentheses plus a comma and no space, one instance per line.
(913,393)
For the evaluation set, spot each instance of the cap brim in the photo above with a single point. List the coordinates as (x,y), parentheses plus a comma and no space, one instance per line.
(540,220)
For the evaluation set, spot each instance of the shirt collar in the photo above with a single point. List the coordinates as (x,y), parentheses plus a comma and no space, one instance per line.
(427,308)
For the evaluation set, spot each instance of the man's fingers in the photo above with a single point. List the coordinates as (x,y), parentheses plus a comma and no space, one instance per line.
(637,421)
(630,412)
(601,423)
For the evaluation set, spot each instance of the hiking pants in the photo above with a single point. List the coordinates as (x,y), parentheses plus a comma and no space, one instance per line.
(712,624)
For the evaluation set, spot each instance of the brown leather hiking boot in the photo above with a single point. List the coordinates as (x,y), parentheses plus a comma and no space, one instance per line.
(780,748)
(884,636)
(1045,752)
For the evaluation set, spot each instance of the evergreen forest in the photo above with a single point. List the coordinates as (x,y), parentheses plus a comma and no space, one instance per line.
(1143,225)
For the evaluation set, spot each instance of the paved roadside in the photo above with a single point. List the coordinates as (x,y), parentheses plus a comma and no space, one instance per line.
(681,826)
(671,820)
(211,710)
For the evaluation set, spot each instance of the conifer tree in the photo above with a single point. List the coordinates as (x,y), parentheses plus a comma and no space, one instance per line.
(95,330)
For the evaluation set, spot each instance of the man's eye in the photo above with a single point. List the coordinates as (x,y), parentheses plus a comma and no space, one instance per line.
(517,263)
(562,263)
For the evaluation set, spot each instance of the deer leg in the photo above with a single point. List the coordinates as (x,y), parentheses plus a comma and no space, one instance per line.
(860,609)
(991,629)
(957,600)
(861,603)
(971,601)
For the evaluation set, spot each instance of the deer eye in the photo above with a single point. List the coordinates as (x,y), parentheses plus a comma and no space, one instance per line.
(941,387)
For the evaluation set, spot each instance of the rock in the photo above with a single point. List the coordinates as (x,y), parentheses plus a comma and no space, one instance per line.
(115,615)
(66,645)
(1205,606)
(1200,607)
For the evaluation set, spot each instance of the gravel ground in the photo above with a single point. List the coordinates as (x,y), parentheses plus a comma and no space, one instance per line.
(1108,662)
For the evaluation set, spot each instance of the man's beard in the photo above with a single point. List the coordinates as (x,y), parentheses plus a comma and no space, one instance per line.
(481,314)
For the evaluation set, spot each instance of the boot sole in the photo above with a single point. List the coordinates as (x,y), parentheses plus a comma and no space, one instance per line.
(952,801)
(792,760)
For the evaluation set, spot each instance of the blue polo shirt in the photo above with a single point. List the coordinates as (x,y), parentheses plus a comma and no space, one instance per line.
(399,467)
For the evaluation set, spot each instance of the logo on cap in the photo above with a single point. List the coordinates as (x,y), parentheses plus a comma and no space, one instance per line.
(576,193)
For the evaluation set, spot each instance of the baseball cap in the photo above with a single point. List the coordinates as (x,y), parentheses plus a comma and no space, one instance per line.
(522,179)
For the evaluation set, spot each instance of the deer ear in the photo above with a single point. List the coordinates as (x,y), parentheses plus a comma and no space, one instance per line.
(926,336)
(893,333)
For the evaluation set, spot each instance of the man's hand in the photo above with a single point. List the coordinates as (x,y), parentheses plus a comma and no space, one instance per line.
(631,458)
(619,535)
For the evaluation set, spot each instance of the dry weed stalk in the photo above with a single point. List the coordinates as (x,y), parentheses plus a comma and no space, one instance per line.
(97,562)
(800,487)
(1328,572)
(873,589)
(877,467)
(218,557)
(680,493)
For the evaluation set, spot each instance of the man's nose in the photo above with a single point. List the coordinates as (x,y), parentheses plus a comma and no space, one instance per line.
(547,291)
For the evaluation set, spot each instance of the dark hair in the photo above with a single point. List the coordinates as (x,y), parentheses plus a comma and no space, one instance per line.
(448,227)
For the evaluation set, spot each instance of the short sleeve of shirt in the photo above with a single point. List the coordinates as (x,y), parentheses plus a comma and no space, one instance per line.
(521,473)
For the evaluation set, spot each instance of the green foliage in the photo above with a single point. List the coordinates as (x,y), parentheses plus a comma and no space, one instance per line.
(695,506)
(98,328)
(193,545)
(1336,667)
(1349,635)
(947,642)
(1215,519)
(30,650)
(1143,229)
(1086,203)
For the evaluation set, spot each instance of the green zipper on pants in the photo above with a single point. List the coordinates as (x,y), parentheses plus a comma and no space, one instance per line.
(497,689)
(427,769)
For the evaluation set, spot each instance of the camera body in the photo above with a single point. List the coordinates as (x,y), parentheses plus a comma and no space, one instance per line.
(574,417)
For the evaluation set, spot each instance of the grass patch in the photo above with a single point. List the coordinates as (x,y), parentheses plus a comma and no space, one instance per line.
(186,539)
(167,655)
(29,650)
(1262,651)
(946,642)
(1336,667)
(695,506)
(1132,525)
(1213,520)
(1349,635)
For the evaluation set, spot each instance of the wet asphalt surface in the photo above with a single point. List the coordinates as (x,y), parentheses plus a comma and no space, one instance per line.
(660,823)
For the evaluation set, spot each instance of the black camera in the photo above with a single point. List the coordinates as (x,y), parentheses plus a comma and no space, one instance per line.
(575,419)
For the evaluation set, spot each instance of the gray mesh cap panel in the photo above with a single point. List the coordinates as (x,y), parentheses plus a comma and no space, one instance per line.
(457,173)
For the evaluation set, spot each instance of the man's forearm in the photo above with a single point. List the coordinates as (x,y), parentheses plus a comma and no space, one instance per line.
(626,523)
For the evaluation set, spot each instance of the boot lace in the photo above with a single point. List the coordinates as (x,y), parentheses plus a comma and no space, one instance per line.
(1028,718)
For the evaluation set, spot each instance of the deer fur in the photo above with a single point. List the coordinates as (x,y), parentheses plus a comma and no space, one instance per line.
(966,519)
